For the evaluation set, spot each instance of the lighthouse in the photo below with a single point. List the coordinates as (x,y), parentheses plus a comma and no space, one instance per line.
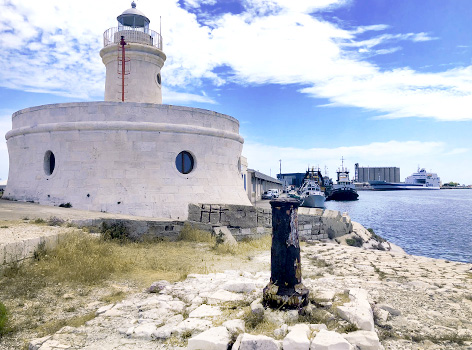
(133,57)
(129,154)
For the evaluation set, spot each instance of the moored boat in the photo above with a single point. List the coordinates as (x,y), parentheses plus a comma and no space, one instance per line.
(311,195)
(344,189)
(310,191)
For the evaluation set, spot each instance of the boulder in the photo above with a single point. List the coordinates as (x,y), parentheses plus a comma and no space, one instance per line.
(328,340)
(235,326)
(358,310)
(216,338)
(364,340)
(157,286)
(259,342)
(205,310)
(297,339)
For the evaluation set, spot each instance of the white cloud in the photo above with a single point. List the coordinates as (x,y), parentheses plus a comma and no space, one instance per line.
(198,3)
(53,46)
(170,97)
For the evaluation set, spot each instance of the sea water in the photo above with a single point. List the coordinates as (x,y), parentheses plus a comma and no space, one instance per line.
(437,224)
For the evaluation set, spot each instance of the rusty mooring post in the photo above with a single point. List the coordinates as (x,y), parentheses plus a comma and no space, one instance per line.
(285,289)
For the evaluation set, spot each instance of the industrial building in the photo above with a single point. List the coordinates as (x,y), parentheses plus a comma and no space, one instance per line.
(294,179)
(366,174)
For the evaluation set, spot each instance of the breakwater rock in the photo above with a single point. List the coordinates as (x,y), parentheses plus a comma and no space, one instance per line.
(359,299)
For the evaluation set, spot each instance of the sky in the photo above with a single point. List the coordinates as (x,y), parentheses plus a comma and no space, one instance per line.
(375,82)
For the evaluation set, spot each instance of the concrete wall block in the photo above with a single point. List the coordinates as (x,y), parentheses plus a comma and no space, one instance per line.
(31,245)
(14,252)
(2,254)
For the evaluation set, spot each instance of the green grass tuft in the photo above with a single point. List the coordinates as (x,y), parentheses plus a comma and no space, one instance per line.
(3,320)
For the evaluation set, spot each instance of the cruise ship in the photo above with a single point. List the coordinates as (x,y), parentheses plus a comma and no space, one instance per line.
(421,180)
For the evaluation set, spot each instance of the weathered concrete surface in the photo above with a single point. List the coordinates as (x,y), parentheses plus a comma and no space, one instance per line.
(121,157)
(427,301)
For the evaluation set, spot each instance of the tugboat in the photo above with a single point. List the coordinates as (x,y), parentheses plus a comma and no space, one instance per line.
(344,189)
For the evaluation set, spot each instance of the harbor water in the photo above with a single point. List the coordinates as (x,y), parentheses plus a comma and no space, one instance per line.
(436,224)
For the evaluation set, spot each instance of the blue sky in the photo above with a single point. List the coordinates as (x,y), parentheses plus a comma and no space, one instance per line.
(378,82)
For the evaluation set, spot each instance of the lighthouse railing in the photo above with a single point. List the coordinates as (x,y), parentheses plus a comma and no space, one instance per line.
(138,35)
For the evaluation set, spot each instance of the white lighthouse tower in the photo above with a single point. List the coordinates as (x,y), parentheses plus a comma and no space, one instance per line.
(133,57)
(140,157)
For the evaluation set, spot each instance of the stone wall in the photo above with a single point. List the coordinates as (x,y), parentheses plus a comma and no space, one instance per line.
(242,220)
(313,223)
(317,224)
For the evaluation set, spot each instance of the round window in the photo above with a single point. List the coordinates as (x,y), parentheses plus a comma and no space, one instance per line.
(49,162)
(159,78)
(184,162)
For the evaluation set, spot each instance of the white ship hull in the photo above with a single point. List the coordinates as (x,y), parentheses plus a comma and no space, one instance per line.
(314,201)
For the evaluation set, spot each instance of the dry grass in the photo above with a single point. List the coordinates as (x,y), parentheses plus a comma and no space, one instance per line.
(88,267)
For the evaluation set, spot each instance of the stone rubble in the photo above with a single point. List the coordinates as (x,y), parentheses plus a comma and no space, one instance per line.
(359,299)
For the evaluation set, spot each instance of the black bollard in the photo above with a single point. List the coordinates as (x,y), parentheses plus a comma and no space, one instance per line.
(285,289)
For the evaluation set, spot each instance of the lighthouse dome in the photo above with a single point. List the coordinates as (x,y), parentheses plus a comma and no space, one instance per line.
(132,17)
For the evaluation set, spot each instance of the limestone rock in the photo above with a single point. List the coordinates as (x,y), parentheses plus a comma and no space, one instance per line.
(328,340)
(257,308)
(358,310)
(35,344)
(104,309)
(316,327)
(235,326)
(216,338)
(364,340)
(192,325)
(53,345)
(144,331)
(157,286)
(392,311)
(223,296)
(241,286)
(259,342)
(297,339)
(281,332)
(205,310)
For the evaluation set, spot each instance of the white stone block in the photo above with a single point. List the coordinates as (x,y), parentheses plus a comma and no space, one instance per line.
(240,286)
(328,340)
(259,342)
(297,338)
(192,325)
(216,338)
(205,310)
(364,340)
(224,296)
(358,310)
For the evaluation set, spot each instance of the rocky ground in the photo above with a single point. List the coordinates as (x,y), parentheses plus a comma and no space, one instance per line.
(361,298)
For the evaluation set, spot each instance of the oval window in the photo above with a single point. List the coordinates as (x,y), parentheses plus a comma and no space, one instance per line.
(159,78)
(49,162)
(184,162)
